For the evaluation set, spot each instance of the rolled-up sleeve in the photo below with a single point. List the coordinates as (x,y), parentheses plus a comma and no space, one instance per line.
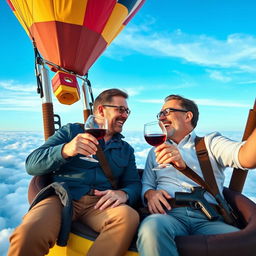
(224,150)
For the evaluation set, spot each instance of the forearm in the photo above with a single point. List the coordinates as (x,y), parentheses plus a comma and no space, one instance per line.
(44,160)
(247,153)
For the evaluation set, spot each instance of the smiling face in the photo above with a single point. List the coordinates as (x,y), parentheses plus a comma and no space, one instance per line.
(177,124)
(115,119)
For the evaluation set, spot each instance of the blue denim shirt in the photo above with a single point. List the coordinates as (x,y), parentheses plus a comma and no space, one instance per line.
(81,175)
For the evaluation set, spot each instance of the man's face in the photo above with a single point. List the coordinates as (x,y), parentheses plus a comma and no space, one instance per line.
(115,119)
(175,122)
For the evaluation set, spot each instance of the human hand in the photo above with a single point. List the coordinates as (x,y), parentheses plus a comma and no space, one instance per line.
(168,153)
(83,143)
(110,198)
(156,200)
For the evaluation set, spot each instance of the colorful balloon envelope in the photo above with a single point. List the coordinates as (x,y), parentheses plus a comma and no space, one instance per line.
(73,33)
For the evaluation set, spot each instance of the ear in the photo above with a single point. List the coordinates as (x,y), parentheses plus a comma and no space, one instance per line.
(100,110)
(189,116)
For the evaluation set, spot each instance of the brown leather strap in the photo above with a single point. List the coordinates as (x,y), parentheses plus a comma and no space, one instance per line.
(196,178)
(105,166)
(205,164)
(210,183)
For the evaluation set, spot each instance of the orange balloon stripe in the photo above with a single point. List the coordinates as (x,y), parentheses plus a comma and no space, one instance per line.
(64,44)
(97,14)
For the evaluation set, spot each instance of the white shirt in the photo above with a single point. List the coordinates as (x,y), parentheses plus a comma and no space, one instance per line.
(222,152)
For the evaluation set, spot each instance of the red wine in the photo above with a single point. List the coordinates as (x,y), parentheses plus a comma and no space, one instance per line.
(155,139)
(97,133)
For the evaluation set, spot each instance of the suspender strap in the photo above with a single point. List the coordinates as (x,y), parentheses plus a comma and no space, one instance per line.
(105,166)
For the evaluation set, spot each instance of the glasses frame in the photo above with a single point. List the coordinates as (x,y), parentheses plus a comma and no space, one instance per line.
(121,109)
(167,111)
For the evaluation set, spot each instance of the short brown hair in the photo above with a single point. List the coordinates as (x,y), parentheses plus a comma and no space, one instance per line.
(107,95)
(187,104)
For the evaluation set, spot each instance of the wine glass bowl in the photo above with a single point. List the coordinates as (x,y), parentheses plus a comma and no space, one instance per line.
(155,134)
(155,139)
(96,126)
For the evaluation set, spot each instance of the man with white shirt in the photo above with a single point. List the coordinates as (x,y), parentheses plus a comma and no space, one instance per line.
(158,231)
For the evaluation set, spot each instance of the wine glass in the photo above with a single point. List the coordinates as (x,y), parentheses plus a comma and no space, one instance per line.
(96,126)
(155,134)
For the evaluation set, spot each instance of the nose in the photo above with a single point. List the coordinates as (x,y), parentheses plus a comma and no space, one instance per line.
(162,117)
(124,114)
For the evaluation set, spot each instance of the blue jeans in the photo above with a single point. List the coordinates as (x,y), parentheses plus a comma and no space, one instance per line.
(157,231)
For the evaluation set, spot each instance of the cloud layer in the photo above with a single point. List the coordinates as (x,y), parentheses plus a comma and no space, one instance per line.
(14,181)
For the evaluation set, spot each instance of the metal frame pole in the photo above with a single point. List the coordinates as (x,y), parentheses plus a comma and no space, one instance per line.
(47,105)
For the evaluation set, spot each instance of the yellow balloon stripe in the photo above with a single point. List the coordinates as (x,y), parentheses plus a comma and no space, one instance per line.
(117,33)
(114,22)
(23,13)
(50,10)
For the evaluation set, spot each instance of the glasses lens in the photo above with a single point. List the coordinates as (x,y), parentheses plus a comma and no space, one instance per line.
(123,109)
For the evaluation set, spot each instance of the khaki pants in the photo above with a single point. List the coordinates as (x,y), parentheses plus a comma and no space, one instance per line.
(40,227)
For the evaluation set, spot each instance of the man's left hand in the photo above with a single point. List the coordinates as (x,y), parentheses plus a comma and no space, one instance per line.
(110,198)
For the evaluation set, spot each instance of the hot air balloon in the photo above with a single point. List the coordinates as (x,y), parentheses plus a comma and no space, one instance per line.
(70,35)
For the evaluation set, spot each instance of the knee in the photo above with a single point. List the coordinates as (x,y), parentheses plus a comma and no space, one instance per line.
(128,215)
(25,234)
(153,225)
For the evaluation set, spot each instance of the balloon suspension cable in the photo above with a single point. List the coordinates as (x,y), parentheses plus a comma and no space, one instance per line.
(38,62)
(90,91)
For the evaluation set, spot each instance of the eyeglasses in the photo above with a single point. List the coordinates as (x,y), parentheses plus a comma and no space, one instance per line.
(121,109)
(167,111)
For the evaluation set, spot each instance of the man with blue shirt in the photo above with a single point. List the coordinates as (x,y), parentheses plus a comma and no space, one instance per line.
(95,202)
(157,232)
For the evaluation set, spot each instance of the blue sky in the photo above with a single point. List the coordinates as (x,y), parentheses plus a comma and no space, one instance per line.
(204,50)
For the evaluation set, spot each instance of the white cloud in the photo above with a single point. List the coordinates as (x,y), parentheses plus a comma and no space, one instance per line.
(11,85)
(203,102)
(155,101)
(220,103)
(236,51)
(18,97)
(218,75)
(4,237)
(248,82)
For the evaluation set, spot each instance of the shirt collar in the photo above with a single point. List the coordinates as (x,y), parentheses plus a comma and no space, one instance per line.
(113,142)
(188,138)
